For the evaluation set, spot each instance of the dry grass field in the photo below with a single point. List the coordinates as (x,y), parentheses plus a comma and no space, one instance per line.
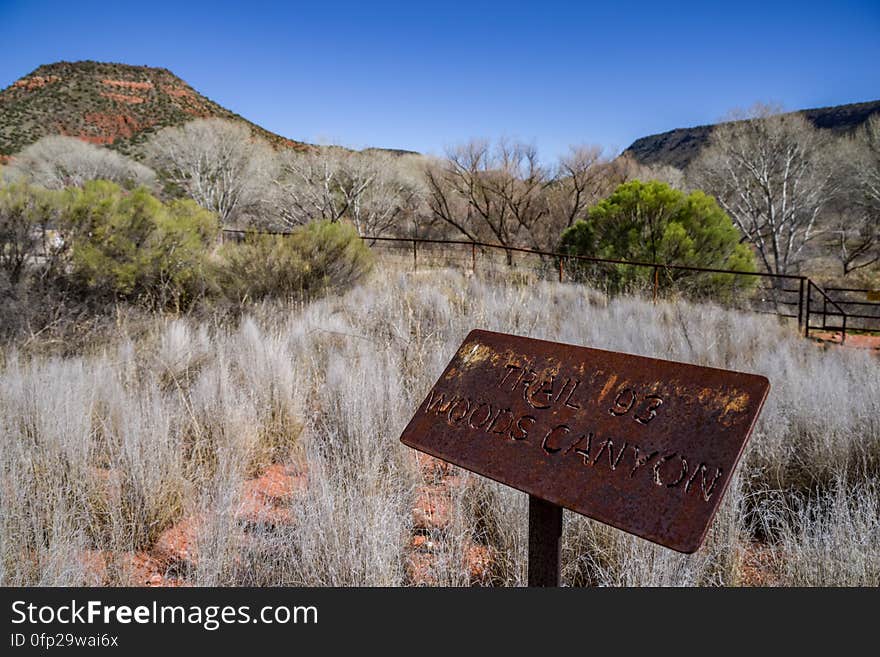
(265,451)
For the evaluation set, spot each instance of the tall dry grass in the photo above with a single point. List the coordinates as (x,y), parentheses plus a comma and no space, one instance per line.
(105,450)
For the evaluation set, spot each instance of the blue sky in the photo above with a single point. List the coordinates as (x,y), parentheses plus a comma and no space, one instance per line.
(424,76)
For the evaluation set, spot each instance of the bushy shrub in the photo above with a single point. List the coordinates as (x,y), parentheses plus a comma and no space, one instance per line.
(26,255)
(71,254)
(132,246)
(307,262)
(654,223)
(25,213)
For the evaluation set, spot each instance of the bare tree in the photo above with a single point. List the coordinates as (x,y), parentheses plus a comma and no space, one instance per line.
(217,163)
(856,239)
(390,192)
(857,225)
(375,191)
(502,193)
(770,173)
(56,162)
(519,181)
(581,178)
(490,193)
(306,186)
(665,173)
(868,171)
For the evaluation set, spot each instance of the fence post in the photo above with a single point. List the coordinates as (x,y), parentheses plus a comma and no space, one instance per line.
(474,257)
(824,312)
(807,309)
(801,304)
(415,256)
(560,270)
(656,281)
(843,333)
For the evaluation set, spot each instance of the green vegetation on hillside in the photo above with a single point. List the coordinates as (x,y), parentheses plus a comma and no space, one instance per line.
(115,104)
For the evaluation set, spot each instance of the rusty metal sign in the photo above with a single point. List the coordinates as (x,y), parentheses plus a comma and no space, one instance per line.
(645,445)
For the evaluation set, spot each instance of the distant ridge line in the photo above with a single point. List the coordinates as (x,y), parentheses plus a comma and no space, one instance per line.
(679,147)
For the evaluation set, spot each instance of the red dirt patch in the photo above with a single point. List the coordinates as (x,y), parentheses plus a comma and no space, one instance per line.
(419,568)
(177,92)
(757,566)
(96,139)
(109,127)
(264,498)
(264,502)
(128,84)
(137,568)
(177,544)
(431,511)
(35,82)
(198,112)
(853,340)
(278,483)
(433,469)
(94,565)
(143,569)
(431,516)
(122,98)
(479,560)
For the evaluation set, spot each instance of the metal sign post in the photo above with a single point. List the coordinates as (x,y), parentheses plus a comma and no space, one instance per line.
(545,542)
(647,446)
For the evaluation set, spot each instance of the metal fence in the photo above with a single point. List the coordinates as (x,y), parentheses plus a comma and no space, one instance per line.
(788,296)
(862,306)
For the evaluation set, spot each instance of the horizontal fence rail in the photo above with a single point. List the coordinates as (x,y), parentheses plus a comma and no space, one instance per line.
(784,295)
(862,306)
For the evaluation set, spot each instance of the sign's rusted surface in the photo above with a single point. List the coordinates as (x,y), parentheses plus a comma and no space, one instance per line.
(645,445)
